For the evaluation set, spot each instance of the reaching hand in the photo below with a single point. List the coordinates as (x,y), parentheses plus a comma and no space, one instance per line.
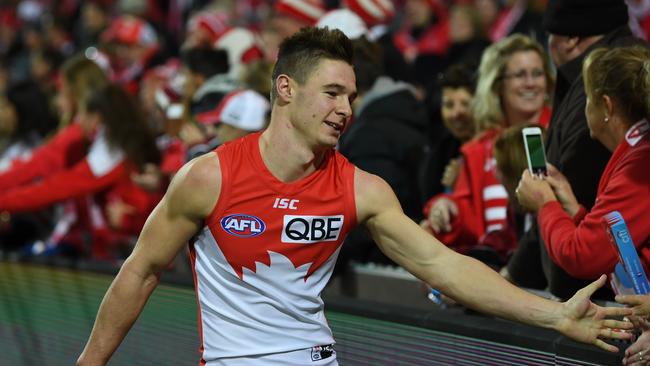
(640,303)
(451,173)
(441,215)
(562,189)
(637,353)
(533,192)
(586,322)
(116,210)
(150,179)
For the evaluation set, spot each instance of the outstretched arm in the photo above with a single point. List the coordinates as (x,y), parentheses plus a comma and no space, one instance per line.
(469,281)
(190,198)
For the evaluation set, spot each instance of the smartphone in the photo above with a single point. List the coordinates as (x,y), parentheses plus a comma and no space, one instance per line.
(534,143)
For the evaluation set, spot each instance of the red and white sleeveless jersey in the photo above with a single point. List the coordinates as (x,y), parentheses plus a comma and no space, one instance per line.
(267,251)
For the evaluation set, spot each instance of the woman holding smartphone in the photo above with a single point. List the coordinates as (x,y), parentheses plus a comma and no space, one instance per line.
(617,83)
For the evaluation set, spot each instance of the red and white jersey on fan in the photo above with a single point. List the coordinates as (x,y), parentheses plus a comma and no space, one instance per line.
(267,251)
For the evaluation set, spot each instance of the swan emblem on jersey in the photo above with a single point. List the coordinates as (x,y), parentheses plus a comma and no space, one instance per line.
(242,225)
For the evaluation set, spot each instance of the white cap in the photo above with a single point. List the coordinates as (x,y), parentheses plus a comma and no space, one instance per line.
(344,20)
(244,109)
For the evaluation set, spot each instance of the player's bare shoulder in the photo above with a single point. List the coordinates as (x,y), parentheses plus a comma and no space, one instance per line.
(195,188)
(372,195)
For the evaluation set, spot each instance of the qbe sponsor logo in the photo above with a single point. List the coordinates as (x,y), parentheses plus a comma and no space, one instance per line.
(311,229)
(242,225)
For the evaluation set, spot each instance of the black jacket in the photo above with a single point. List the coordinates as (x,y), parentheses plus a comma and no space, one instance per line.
(388,138)
(579,157)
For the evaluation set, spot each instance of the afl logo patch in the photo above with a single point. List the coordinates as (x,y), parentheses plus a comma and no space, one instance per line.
(242,225)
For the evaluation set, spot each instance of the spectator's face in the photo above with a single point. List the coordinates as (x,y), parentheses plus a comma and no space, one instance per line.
(320,108)
(285,26)
(93,17)
(8,118)
(192,82)
(89,121)
(461,27)
(65,101)
(595,114)
(524,84)
(127,55)
(558,48)
(198,38)
(488,10)
(455,110)
(418,12)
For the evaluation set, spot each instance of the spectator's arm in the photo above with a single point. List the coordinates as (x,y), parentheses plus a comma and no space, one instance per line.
(46,159)
(78,181)
(584,251)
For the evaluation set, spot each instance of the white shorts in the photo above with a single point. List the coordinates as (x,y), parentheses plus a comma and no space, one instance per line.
(314,356)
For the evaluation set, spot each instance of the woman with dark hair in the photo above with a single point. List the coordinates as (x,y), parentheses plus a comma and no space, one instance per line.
(80,77)
(25,119)
(122,145)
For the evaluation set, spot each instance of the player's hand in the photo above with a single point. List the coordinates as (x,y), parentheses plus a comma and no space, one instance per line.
(584,321)
(562,189)
(640,303)
(441,214)
(533,192)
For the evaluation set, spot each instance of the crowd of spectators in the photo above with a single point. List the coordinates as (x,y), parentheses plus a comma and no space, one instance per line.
(101,102)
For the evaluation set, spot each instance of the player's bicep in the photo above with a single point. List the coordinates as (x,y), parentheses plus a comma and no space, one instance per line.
(397,236)
(191,196)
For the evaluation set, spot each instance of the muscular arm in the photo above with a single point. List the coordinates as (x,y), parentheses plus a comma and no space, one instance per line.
(190,198)
(466,279)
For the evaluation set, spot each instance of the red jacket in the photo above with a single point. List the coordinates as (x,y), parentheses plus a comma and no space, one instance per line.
(103,175)
(64,150)
(580,245)
(481,199)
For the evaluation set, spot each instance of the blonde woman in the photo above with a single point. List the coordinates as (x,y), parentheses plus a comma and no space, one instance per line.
(513,85)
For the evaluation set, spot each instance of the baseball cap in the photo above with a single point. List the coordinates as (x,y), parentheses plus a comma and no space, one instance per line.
(244,109)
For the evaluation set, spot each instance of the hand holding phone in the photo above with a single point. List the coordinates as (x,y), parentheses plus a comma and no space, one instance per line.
(535,153)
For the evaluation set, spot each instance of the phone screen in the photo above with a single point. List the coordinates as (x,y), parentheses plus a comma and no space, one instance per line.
(536,151)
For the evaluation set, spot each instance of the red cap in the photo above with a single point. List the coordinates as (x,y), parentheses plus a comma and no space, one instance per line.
(372,12)
(308,11)
(131,30)
(214,23)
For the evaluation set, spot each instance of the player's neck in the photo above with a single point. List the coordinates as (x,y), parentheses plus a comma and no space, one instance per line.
(286,157)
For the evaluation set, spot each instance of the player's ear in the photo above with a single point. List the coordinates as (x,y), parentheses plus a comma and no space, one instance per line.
(284,87)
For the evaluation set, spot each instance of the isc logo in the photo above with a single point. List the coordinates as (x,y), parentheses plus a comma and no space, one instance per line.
(624,235)
(243,225)
(285,203)
(311,229)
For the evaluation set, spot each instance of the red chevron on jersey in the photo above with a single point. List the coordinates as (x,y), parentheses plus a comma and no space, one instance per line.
(241,256)
(249,222)
(266,253)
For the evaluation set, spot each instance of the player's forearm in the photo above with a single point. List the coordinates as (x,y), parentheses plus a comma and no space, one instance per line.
(473,284)
(120,308)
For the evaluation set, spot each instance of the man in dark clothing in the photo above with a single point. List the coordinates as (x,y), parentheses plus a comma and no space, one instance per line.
(387,138)
(576,28)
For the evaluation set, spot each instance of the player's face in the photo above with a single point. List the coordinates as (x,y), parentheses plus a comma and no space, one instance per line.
(322,105)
